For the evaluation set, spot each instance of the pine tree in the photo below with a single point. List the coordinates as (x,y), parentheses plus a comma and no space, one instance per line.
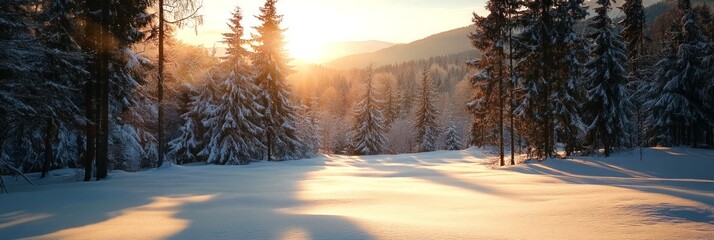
(549,53)
(452,140)
(368,133)
(425,122)
(608,105)
(567,90)
(677,99)
(310,130)
(489,83)
(233,125)
(279,115)
(391,108)
(633,27)
(233,135)
(188,144)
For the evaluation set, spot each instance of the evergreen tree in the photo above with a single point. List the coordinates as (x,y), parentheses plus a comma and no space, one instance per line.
(550,56)
(533,47)
(452,140)
(310,130)
(279,115)
(677,98)
(427,131)
(233,135)
(391,108)
(368,133)
(633,27)
(185,147)
(489,83)
(38,54)
(607,107)
(233,126)
(567,90)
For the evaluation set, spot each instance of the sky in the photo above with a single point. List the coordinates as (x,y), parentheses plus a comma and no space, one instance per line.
(311,24)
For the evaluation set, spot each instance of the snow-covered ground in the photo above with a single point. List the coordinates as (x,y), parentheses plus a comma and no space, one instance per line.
(440,195)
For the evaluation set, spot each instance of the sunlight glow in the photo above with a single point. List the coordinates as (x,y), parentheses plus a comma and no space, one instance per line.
(304,50)
(312,24)
(137,222)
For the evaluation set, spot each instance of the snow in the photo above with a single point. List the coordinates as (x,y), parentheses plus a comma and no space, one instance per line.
(669,194)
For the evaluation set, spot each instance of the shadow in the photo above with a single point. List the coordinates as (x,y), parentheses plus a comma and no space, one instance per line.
(409,166)
(674,213)
(663,171)
(202,202)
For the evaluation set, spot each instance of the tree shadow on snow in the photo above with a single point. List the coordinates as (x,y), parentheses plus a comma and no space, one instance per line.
(670,176)
(206,202)
(411,167)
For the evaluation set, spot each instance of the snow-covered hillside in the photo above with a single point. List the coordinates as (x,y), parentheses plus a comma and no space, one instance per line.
(669,194)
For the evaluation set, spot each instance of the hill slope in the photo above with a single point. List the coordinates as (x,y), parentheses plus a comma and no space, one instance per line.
(445,43)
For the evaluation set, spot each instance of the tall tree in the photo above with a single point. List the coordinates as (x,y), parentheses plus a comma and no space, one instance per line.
(425,122)
(279,115)
(549,53)
(111,28)
(677,98)
(633,27)
(488,103)
(608,105)
(567,89)
(391,106)
(180,12)
(189,143)
(368,132)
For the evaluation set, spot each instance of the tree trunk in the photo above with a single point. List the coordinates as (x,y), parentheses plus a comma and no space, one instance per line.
(160,87)
(49,154)
(91,125)
(103,136)
(500,112)
(547,63)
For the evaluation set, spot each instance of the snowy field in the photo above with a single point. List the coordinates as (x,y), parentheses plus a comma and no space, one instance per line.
(440,195)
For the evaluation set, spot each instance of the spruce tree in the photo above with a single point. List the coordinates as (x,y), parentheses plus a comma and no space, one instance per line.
(607,107)
(310,130)
(488,102)
(549,53)
(188,144)
(677,98)
(233,135)
(279,115)
(633,27)
(452,140)
(425,121)
(233,125)
(568,87)
(368,132)
(391,106)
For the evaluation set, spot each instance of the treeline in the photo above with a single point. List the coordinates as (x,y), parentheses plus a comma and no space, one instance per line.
(540,81)
(396,90)
(79,86)
(65,67)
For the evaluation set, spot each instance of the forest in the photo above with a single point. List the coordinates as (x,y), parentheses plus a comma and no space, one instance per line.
(104,85)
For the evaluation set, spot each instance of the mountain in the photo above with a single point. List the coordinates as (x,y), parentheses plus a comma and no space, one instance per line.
(336,50)
(445,43)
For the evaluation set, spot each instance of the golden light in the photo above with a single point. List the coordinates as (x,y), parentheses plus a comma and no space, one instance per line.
(305,50)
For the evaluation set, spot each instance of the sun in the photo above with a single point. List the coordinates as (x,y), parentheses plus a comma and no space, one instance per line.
(305,50)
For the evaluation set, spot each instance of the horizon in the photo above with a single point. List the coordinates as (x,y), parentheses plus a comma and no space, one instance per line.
(357,22)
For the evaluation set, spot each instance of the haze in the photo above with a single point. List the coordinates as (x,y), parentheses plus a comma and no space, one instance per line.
(311,24)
